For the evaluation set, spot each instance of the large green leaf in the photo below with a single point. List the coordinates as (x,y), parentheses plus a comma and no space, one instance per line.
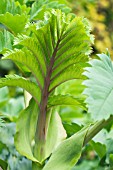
(99,87)
(45,54)
(67,153)
(66,64)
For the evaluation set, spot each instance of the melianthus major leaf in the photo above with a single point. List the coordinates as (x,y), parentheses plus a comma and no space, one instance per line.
(56,52)
(99,87)
(42,46)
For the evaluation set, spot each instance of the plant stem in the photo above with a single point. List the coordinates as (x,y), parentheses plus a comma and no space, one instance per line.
(97,127)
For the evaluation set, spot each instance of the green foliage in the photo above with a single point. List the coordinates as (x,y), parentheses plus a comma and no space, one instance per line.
(44,54)
(51,47)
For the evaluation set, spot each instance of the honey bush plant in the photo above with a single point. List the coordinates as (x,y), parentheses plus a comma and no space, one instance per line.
(52,47)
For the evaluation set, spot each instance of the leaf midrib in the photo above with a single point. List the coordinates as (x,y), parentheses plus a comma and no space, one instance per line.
(41,123)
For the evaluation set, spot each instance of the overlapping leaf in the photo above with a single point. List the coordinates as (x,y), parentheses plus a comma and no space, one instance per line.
(64,100)
(26,131)
(67,153)
(100,87)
